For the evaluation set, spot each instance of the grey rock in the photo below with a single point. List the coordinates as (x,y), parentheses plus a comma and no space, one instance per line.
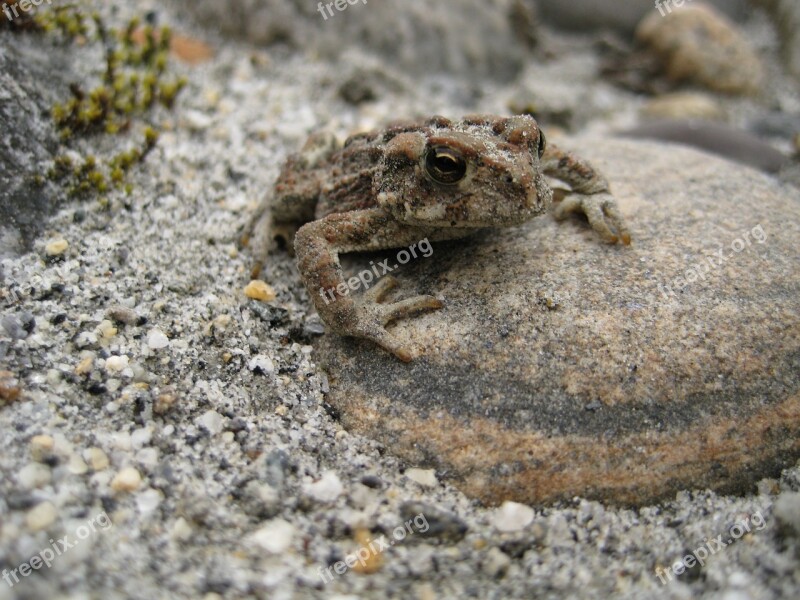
(468,38)
(693,357)
(32,74)
(18,327)
(590,15)
(724,140)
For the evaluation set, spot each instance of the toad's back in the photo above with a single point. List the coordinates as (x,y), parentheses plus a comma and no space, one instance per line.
(323,178)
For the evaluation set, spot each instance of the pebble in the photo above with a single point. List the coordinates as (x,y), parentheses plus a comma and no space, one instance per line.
(97,459)
(274,537)
(56,247)
(164,402)
(123,314)
(181,530)
(513,516)
(327,489)
(41,447)
(20,326)
(196,120)
(77,466)
(424,477)
(41,516)
(34,475)
(684,105)
(86,339)
(259,290)
(127,480)
(261,364)
(149,500)
(156,339)
(787,512)
(84,367)
(496,562)
(9,387)
(141,437)
(117,364)
(212,421)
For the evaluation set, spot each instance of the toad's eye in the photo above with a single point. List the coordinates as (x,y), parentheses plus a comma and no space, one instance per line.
(445,165)
(542,143)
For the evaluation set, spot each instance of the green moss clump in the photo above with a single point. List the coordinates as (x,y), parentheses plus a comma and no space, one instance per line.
(133,82)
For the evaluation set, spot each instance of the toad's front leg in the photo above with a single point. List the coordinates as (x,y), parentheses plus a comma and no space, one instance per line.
(318,245)
(590,194)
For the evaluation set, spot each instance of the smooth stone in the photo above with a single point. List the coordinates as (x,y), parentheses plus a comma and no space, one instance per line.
(561,366)
(592,15)
(684,105)
(724,140)
(696,43)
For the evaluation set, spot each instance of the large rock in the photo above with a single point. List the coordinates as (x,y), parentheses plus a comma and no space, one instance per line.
(31,76)
(698,44)
(469,38)
(562,366)
(591,15)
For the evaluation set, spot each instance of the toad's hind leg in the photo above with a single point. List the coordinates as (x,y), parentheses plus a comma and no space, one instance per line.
(293,200)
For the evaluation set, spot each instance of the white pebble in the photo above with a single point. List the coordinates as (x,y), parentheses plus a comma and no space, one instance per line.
(141,437)
(41,447)
(96,458)
(261,363)
(212,421)
(327,489)
(148,500)
(41,516)
(424,477)
(116,364)
(156,339)
(76,465)
(196,120)
(56,247)
(147,457)
(512,516)
(127,480)
(274,537)
(181,531)
(34,475)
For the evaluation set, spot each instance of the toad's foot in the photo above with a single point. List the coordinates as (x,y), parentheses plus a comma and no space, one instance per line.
(373,317)
(601,209)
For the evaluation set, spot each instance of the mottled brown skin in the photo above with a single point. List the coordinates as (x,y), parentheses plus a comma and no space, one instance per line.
(434,180)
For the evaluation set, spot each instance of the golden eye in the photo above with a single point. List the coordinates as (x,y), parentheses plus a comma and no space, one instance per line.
(542,143)
(445,165)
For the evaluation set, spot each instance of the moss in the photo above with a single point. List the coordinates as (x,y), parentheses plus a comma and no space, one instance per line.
(132,82)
